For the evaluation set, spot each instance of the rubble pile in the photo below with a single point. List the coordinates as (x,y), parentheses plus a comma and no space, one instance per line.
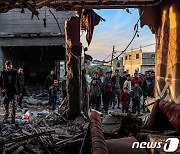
(118,124)
(43,132)
(36,97)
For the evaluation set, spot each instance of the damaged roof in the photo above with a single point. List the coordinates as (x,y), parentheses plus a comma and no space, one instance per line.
(6,5)
(17,24)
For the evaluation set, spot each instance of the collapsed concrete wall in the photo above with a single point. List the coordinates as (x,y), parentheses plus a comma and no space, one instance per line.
(168,51)
(164,21)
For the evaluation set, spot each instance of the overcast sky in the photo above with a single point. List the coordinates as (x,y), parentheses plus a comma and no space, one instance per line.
(118,30)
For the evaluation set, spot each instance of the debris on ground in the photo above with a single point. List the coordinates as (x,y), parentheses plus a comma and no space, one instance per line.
(44,131)
(118,124)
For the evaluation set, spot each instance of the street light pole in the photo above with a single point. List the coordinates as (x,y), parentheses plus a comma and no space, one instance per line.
(112,56)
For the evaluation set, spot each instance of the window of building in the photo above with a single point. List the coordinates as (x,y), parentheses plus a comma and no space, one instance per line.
(126,58)
(137,56)
(129,57)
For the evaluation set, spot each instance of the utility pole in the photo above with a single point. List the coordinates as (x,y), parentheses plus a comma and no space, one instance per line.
(112,55)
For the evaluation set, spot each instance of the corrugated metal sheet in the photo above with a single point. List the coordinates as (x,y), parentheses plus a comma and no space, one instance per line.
(16,23)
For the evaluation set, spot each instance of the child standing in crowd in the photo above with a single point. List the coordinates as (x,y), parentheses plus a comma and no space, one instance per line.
(54,89)
(98,81)
(125,99)
(95,92)
(127,83)
(136,94)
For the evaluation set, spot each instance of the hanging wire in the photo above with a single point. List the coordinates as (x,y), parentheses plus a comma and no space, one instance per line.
(135,34)
(44,20)
(103,61)
(139,47)
(56,21)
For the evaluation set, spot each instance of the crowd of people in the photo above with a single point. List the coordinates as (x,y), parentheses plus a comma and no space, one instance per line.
(125,91)
(107,90)
(54,88)
(12,84)
(13,88)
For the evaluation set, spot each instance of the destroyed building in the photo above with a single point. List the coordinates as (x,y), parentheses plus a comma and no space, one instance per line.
(37,45)
(163,123)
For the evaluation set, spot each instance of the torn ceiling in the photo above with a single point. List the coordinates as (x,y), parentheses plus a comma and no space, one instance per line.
(6,5)
(77,5)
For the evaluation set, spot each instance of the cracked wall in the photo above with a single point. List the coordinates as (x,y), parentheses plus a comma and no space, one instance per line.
(168,52)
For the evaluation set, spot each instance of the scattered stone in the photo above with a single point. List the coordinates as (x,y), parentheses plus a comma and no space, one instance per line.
(111,126)
(38,130)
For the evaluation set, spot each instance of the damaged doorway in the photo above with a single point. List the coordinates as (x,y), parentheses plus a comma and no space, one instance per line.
(37,61)
(60,69)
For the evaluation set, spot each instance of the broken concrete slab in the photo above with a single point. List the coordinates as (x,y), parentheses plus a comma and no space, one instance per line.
(111,125)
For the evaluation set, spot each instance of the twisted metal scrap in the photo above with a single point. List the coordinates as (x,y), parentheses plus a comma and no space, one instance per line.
(6,5)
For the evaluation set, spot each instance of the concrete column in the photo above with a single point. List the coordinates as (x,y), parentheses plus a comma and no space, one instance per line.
(73,56)
(168,52)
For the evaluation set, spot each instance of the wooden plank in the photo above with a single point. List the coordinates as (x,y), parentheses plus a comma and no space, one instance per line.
(21,138)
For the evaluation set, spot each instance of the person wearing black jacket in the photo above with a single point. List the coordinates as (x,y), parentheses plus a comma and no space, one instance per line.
(49,81)
(94,93)
(9,84)
(97,78)
(116,79)
(98,81)
(136,94)
(108,86)
(22,83)
(148,88)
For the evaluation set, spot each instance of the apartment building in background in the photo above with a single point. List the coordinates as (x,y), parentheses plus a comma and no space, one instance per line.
(138,61)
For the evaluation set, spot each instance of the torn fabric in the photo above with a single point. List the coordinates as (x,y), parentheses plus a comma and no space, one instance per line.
(89,19)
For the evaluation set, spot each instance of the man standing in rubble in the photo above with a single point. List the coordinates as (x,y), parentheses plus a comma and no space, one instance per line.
(9,84)
(22,84)
(49,81)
